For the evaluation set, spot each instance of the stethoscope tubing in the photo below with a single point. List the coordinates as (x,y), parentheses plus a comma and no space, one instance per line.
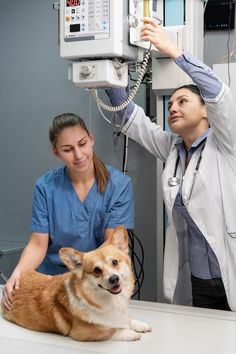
(175,181)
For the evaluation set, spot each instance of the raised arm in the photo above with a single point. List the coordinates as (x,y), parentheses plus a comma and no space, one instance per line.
(217,96)
(207,82)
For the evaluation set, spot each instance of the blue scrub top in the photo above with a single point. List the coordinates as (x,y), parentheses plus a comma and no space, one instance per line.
(58,212)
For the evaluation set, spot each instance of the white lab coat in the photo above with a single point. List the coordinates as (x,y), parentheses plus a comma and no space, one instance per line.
(212,204)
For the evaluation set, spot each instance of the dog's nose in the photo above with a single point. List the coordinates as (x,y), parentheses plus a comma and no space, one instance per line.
(114,279)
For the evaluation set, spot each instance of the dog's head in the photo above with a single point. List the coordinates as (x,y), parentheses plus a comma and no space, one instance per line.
(106,270)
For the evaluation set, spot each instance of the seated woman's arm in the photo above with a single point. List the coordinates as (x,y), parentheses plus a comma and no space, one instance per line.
(31,258)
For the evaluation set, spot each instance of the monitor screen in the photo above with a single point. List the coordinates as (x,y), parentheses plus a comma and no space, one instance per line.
(219,15)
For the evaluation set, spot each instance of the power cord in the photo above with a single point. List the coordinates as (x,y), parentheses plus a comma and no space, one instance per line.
(137,262)
(228,41)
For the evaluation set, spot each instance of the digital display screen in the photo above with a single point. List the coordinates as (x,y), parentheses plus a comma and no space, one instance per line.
(75,28)
(71,3)
(219,15)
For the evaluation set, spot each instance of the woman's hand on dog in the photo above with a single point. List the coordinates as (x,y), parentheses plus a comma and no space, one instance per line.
(12,283)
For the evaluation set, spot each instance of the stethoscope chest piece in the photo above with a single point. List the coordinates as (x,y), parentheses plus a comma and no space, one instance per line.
(173,181)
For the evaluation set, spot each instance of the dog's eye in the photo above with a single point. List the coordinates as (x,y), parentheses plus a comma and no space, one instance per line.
(115,262)
(97,270)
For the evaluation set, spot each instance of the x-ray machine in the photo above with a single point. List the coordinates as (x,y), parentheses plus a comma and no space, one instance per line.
(101,39)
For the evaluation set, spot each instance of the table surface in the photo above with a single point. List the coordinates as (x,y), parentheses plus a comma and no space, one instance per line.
(175,329)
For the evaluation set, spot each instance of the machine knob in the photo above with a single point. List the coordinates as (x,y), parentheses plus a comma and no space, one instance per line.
(85,71)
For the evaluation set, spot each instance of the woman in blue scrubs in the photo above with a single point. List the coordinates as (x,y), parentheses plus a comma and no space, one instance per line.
(75,205)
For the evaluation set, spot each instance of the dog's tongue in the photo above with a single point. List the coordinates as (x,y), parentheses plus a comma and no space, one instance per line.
(116,289)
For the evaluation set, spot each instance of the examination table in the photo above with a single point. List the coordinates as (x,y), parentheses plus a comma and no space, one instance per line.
(175,329)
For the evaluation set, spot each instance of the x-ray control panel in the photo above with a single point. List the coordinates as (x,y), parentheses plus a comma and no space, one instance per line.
(95,29)
(86,19)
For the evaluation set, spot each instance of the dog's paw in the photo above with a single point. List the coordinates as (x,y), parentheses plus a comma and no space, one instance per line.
(126,334)
(139,326)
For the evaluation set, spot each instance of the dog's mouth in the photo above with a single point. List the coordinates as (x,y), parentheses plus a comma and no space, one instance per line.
(115,290)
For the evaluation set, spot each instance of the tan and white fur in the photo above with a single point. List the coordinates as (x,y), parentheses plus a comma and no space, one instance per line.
(88,303)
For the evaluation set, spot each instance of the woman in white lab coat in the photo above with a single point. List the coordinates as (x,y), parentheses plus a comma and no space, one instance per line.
(199,181)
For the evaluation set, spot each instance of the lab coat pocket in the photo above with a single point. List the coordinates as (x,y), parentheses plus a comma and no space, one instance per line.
(100,224)
(231,234)
(230,222)
(230,244)
(227,170)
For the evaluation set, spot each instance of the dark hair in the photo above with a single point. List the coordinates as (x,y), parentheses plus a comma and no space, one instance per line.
(192,88)
(67,120)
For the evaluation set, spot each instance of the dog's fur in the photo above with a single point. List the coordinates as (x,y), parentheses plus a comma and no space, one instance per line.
(88,303)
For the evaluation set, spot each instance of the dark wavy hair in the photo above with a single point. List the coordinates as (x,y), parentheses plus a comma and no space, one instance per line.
(192,88)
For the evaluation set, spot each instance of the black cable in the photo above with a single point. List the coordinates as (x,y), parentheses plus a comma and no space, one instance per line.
(137,263)
(204,10)
(125,154)
(136,283)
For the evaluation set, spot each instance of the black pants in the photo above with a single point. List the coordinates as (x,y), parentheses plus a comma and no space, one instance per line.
(209,293)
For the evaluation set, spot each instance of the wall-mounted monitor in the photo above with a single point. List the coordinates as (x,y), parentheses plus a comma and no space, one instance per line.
(219,15)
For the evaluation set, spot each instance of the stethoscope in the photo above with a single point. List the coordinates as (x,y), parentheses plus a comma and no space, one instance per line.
(175,181)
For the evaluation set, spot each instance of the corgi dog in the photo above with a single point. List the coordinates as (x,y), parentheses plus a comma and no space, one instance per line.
(88,303)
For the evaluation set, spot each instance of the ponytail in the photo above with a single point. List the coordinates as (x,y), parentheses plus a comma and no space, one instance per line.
(101,173)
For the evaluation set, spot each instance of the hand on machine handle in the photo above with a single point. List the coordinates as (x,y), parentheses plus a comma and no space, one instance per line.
(153,32)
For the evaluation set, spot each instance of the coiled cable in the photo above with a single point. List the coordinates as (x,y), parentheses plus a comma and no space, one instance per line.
(133,92)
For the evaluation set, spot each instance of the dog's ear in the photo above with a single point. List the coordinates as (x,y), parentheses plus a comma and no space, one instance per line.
(71,258)
(120,239)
